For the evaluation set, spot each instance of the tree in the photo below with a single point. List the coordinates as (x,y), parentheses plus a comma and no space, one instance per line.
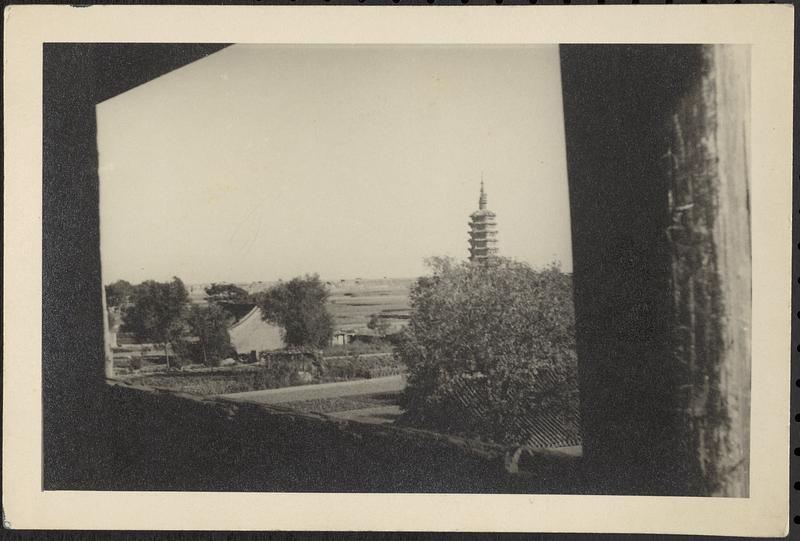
(501,333)
(299,307)
(379,325)
(210,325)
(156,312)
(118,293)
(226,293)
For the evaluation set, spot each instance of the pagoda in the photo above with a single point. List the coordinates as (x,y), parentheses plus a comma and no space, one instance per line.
(482,232)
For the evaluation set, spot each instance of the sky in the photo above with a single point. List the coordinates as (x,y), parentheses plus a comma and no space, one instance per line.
(264,162)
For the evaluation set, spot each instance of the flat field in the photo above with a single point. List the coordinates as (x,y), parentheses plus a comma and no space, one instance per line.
(352,301)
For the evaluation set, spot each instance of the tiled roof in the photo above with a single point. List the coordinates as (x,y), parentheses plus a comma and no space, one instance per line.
(541,430)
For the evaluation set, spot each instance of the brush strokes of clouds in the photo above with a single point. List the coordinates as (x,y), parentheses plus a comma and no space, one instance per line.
(262,162)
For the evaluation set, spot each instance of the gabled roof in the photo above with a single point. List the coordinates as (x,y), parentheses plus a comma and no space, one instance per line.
(238,309)
(252,333)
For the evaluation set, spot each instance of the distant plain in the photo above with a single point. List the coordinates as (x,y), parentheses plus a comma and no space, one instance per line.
(352,302)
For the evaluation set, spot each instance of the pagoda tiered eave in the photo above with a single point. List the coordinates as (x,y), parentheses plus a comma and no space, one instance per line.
(482,231)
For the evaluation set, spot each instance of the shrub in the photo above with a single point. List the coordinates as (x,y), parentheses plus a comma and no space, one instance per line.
(299,307)
(488,344)
(155,313)
(233,381)
(209,325)
(358,347)
(379,324)
(280,374)
(353,368)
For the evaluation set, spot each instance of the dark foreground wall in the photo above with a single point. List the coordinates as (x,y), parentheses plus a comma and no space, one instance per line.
(77,76)
(657,144)
(152,440)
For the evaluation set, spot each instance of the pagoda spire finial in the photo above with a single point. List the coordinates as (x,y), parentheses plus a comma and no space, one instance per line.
(482,198)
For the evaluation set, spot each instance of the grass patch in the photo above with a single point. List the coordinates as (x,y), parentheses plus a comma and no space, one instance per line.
(212,383)
(358,348)
(362,367)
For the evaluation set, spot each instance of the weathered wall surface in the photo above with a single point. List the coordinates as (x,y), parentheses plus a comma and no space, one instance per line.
(709,232)
(657,159)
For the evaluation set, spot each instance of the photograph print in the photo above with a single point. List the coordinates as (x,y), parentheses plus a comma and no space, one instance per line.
(474,269)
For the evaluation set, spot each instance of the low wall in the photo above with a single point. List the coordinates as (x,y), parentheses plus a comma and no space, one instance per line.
(145,439)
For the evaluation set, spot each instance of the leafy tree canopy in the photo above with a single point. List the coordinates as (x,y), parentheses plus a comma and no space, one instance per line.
(210,325)
(379,325)
(156,311)
(118,293)
(503,329)
(299,307)
(226,293)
